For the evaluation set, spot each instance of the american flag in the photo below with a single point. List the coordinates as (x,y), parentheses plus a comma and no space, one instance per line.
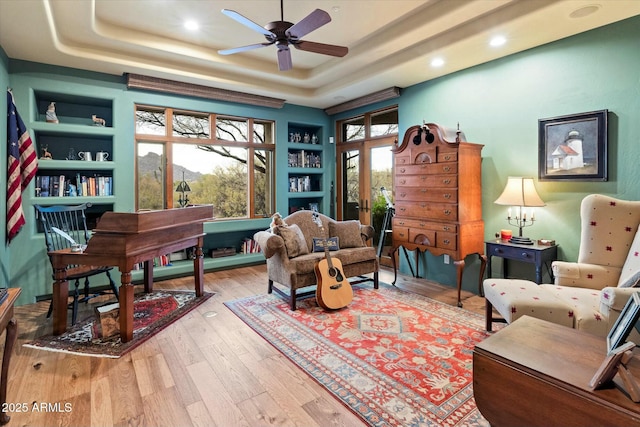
(22,165)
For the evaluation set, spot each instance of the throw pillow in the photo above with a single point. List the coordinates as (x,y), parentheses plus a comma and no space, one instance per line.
(332,244)
(630,274)
(293,240)
(348,232)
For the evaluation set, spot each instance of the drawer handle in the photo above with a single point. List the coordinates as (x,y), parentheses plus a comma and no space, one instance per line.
(446,228)
(447,196)
(401,222)
(423,205)
(401,234)
(446,169)
(446,241)
(422,224)
(402,160)
(446,181)
(498,250)
(402,170)
(403,209)
(447,157)
(403,181)
(423,177)
(524,255)
(423,190)
(447,212)
(403,194)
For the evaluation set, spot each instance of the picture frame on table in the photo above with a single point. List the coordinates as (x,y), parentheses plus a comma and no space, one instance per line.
(573,147)
(624,324)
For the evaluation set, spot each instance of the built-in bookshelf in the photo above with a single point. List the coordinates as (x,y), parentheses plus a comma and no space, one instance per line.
(305,167)
(76,159)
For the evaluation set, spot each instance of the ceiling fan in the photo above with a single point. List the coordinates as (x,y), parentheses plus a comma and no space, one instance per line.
(283,34)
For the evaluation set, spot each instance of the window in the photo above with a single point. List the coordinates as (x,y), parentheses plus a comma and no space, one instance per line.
(234,170)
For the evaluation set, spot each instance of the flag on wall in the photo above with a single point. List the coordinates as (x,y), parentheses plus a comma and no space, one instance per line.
(22,164)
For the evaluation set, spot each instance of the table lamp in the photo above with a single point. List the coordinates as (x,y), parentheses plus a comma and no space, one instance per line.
(520,193)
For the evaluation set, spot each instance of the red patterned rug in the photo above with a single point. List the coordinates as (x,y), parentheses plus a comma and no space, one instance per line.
(394,358)
(151,313)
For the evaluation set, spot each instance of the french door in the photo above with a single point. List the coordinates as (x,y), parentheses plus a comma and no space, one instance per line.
(364,168)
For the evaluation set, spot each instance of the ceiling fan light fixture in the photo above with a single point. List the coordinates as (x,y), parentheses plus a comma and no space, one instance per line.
(437,62)
(283,33)
(191,25)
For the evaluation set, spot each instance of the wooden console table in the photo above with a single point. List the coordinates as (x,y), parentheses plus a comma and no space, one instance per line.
(537,373)
(8,322)
(125,239)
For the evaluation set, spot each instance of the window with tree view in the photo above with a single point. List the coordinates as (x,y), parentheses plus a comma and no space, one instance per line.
(227,162)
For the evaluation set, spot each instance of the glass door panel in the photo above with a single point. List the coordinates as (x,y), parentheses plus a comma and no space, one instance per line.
(351,185)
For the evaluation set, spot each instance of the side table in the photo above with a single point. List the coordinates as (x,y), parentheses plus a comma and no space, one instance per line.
(541,256)
(537,373)
(8,322)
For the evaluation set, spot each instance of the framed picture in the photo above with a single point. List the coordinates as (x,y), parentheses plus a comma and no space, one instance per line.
(573,148)
(624,324)
(609,367)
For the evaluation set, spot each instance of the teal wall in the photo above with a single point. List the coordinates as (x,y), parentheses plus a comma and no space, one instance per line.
(497,104)
(4,254)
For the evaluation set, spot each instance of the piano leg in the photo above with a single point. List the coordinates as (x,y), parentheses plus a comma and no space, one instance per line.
(198,270)
(126,307)
(60,300)
(148,276)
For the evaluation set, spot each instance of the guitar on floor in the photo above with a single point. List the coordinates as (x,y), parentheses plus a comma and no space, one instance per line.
(333,290)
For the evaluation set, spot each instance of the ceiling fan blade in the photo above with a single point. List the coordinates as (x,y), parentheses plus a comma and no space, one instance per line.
(284,58)
(243,48)
(325,49)
(311,22)
(247,22)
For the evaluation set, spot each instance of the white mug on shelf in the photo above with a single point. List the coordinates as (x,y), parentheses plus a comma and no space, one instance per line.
(85,155)
(102,156)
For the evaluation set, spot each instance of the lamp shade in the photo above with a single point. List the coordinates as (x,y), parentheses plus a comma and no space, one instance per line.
(519,192)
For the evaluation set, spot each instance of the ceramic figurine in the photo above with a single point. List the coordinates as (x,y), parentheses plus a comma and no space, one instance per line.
(51,113)
(46,155)
(98,121)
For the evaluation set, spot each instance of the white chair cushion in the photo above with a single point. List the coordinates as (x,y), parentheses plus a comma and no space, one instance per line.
(584,304)
(514,298)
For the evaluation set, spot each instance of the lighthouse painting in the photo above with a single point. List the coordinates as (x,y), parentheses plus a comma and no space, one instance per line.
(573,147)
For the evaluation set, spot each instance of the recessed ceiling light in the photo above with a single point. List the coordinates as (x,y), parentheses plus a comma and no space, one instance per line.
(191,25)
(437,62)
(497,41)
(584,11)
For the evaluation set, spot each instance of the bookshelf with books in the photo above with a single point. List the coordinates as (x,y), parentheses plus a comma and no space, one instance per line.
(305,167)
(74,139)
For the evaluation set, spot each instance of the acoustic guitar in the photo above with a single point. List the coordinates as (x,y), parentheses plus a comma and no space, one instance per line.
(333,290)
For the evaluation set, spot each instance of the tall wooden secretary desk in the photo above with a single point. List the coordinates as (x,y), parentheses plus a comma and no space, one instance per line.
(438,196)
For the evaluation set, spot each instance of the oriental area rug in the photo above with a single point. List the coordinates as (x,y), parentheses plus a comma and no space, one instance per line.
(394,358)
(151,313)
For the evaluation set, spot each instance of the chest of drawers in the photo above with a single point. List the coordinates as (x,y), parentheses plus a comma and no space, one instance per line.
(438,195)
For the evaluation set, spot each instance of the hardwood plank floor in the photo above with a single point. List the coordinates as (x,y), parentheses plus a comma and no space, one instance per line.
(207,369)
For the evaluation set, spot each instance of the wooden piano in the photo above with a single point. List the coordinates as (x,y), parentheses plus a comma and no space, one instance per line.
(125,239)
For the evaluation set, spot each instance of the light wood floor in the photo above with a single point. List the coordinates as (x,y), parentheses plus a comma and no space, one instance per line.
(200,371)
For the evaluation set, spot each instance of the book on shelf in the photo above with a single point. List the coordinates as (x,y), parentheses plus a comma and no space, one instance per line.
(250,246)
(64,186)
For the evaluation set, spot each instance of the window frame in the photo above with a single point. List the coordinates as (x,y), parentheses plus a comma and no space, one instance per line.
(168,140)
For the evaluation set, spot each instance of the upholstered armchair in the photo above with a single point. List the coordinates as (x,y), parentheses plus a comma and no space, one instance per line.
(590,293)
(291,258)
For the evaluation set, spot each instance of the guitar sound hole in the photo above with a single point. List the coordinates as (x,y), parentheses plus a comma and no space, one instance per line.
(336,274)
